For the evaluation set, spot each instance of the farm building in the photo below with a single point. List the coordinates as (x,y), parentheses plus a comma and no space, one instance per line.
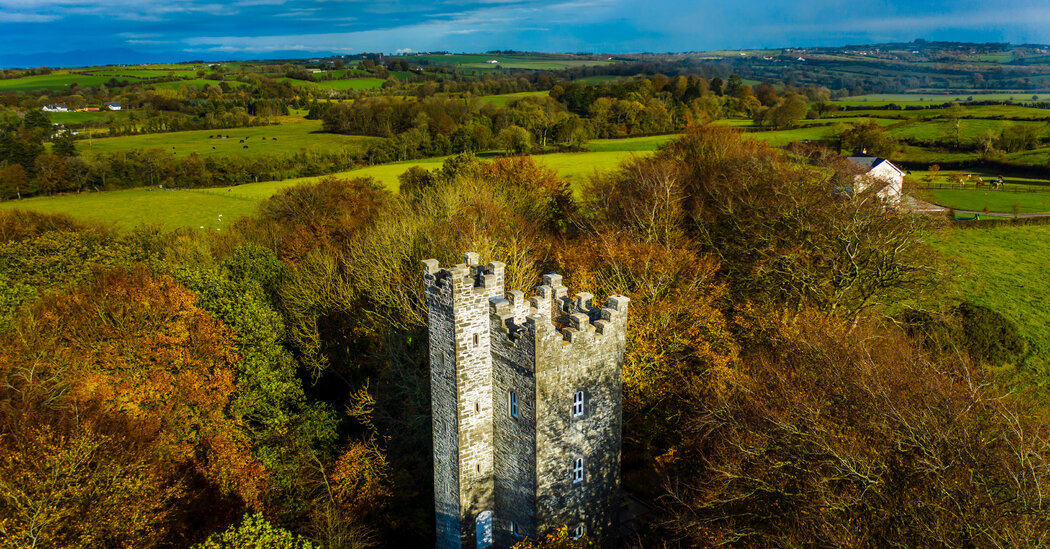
(112,106)
(882,173)
(55,107)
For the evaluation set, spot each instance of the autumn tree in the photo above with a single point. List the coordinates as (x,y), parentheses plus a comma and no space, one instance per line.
(14,182)
(854,439)
(51,174)
(771,220)
(145,378)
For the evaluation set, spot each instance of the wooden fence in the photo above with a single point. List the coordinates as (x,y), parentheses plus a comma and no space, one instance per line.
(1006,187)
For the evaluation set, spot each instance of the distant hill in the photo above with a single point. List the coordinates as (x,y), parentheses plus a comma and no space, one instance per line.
(126,56)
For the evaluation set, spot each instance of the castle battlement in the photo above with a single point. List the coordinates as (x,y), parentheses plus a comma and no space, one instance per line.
(526,406)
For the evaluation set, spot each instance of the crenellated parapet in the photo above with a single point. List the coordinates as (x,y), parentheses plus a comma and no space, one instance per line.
(461,278)
(551,310)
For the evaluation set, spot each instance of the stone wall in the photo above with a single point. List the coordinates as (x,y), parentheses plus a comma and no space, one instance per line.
(483,347)
(586,355)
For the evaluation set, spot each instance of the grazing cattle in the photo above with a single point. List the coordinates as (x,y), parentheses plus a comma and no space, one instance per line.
(246,146)
(241,141)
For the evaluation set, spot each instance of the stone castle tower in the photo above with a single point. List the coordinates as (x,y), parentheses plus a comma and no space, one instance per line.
(526,404)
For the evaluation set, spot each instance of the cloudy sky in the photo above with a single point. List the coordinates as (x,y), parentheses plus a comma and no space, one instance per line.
(210,28)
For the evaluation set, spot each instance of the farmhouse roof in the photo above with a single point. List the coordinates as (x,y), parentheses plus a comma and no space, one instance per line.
(871,162)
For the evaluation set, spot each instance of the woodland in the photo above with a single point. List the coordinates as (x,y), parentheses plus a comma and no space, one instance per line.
(801,366)
(785,381)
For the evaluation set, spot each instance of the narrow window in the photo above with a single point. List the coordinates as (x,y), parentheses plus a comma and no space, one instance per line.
(577,404)
(577,471)
(475,340)
(478,467)
(513,404)
(579,531)
(514,529)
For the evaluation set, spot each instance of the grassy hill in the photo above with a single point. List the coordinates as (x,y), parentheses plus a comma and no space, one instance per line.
(1004,268)
(202,207)
(292,136)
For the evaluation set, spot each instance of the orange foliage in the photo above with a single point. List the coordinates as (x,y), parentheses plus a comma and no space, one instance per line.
(322,214)
(360,482)
(854,437)
(134,347)
(679,342)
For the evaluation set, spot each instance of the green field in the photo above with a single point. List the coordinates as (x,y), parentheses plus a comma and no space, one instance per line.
(56,81)
(348,84)
(287,138)
(995,201)
(80,117)
(630,144)
(1032,194)
(503,99)
(202,207)
(934,98)
(199,83)
(544,65)
(480,61)
(133,72)
(969,130)
(779,138)
(146,206)
(1004,268)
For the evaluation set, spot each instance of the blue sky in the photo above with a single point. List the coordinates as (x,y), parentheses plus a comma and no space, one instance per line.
(213,28)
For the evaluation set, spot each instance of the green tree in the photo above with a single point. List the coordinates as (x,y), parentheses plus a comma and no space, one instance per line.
(951,128)
(415,179)
(37,120)
(867,136)
(255,532)
(1018,137)
(64,145)
(514,139)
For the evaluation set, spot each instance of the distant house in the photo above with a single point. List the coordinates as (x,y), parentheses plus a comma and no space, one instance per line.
(90,109)
(888,178)
(112,106)
(55,107)
(493,61)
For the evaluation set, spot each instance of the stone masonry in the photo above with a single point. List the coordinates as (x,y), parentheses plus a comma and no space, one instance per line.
(517,451)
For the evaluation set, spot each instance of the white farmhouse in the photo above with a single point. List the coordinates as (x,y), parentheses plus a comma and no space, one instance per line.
(881,173)
(55,107)
(113,106)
